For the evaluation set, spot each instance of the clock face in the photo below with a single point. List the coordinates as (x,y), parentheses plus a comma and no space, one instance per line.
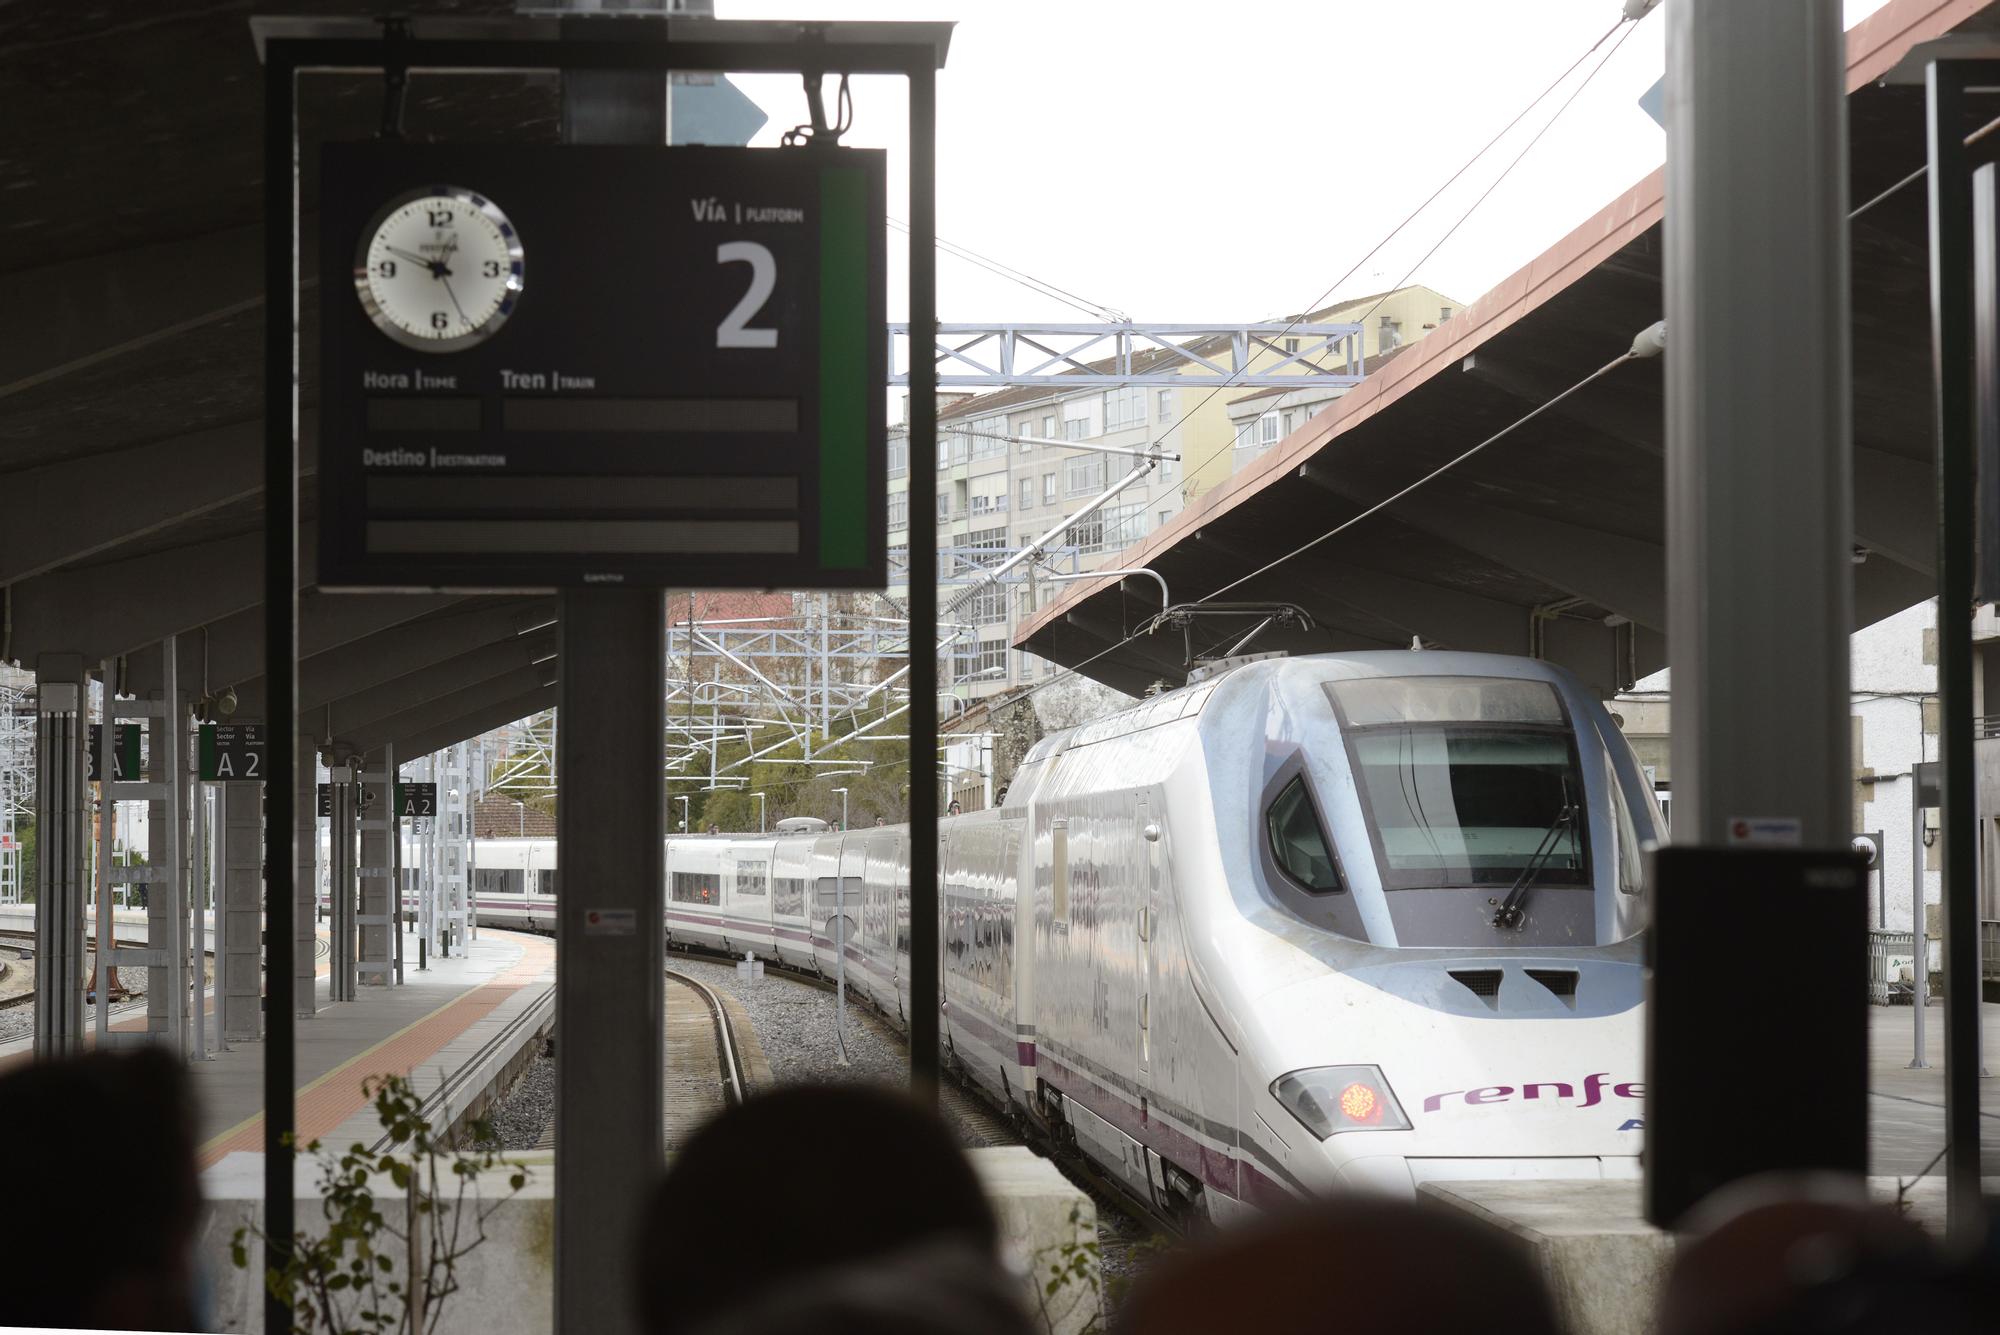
(439,269)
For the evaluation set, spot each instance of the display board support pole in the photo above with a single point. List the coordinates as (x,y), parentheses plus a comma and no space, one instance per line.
(1951,252)
(1759,460)
(925,993)
(610,825)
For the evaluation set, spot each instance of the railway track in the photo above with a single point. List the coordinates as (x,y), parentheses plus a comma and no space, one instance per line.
(735,1080)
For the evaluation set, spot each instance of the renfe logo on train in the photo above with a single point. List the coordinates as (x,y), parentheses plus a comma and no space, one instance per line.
(1595,1090)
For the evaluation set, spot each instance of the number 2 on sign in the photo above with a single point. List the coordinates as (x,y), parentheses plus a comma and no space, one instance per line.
(735,331)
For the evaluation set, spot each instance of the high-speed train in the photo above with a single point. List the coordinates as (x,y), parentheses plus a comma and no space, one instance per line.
(1350,921)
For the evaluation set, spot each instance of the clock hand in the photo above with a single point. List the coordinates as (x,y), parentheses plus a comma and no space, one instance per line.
(437,267)
(454,301)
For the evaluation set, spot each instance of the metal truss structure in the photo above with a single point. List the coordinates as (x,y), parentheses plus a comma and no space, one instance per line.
(17,776)
(1126,353)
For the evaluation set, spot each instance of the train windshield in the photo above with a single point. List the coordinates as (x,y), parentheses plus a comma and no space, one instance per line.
(1466,781)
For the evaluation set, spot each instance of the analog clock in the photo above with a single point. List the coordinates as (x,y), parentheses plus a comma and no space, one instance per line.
(439,269)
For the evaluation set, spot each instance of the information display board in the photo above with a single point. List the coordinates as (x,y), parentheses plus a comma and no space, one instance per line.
(556,365)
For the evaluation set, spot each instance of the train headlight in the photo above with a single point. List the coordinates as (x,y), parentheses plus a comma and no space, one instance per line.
(1330,1099)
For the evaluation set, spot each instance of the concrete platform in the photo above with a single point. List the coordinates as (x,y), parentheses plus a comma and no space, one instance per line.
(1605,1265)
(456,1030)
(1906,1107)
(507,1285)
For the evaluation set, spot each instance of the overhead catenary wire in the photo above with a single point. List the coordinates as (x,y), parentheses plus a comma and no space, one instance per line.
(1042,287)
(1412,216)
(1314,364)
(1646,346)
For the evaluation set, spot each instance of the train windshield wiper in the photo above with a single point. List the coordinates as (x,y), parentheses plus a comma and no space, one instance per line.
(1512,912)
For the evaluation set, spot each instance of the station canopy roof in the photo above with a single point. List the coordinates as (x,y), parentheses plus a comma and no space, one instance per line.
(1554,536)
(131,407)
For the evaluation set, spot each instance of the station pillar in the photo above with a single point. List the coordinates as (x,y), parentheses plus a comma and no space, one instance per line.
(377,822)
(1759,457)
(239,973)
(305,886)
(61,828)
(343,904)
(610,826)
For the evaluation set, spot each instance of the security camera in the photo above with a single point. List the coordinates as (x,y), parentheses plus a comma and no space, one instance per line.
(225,703)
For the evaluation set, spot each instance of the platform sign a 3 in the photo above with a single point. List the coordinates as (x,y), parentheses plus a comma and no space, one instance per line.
(558,365)
(125,761)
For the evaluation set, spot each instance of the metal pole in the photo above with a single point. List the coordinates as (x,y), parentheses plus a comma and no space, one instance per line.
(170,773)
(924,992)
(197,904)
(1951,248)
(1920,946)
(610,984)
(62,718)
(395,815)
(840,964)
(107,827)
(281,624)
(1759,457)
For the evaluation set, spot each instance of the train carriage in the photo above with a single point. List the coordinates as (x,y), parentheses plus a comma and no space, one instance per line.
(1340,922)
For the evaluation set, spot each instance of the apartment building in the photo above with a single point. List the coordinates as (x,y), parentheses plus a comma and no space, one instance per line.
(1012,467)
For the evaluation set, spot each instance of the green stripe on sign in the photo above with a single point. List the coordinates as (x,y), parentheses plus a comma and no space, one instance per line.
(843,368)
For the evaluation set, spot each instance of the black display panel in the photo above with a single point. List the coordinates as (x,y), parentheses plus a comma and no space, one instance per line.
(1762,1071)
(547,366)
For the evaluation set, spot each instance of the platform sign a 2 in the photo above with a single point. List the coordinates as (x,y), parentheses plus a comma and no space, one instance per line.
(416,799)
(558,365)
(231,753)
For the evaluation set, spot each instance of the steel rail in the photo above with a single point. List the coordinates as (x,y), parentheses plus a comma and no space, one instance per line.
(735,1080)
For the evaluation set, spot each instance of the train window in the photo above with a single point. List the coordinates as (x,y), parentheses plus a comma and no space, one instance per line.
(697,887)
(1298,840)
(753,879)
(1466,781)
(1059,871)
(789,894)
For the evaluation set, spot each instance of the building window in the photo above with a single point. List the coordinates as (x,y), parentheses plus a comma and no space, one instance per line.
(1124,408)
(1026,432)
(1124,525)
(1165,515)
(1048,426)
(1289,422)
(899,455)
(988,540)
(1048,488)
(899,563)
(978,661)
(1389,334)
(899,509)
(1267,429)
(986,442)
(1086,534)
(982,505)
(1083,475)
(1166,405)
(944,506)
(987,605)
(1291,345)
(1076,428)
(1027,493)
(1169,469)
(1444,313)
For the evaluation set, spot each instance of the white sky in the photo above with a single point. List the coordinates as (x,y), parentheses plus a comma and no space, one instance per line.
(1201,161)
